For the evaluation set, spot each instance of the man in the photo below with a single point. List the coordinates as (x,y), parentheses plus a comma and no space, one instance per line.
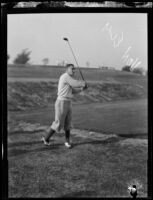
(67,86)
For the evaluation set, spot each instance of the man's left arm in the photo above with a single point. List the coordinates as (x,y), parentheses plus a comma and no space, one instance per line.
(76,90)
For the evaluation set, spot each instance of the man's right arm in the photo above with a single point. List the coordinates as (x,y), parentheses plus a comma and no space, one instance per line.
(75,83)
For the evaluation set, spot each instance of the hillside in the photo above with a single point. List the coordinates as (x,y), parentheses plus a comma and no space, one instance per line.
(32,86)
(31,95)
(90,74)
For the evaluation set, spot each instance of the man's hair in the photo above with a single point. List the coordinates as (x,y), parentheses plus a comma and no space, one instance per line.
(69,65)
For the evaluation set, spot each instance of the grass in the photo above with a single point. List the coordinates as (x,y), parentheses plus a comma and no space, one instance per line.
(36,86)
(121,117)
(90,74)
(30,95)
(97,166)
(109,135)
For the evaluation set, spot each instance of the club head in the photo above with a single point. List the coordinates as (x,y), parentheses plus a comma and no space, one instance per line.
(65,39)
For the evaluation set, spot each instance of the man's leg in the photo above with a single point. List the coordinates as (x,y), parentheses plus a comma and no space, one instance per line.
(49,134)
(60,113)
(67,126)
(46,138)
(67,136)
(55,124)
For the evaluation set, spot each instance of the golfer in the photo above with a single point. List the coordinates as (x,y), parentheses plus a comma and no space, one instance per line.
(67,86)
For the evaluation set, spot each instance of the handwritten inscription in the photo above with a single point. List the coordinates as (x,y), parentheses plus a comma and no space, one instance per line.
(130,61)
(117,40)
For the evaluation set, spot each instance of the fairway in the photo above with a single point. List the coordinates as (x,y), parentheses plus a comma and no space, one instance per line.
(128,117)
(122,117)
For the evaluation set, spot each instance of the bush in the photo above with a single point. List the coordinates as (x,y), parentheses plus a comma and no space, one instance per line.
(45,61)
(23,57)
(126,68)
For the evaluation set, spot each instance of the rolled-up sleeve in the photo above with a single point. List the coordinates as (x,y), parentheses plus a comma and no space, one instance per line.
(74,83)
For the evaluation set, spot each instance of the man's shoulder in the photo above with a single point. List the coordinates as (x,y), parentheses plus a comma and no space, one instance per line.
(64,76)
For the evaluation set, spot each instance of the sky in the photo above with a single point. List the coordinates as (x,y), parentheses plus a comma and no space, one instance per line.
(99,39)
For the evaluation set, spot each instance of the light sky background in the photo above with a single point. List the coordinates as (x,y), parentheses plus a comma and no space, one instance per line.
(43,35)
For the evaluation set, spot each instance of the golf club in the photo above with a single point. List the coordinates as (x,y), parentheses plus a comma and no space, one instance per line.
(66,39)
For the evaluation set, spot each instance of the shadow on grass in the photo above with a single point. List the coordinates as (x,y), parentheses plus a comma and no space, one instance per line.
(55,146)
(16,144)
(24,132)
(80,194)
(134,135)
(106,141)
(17,152)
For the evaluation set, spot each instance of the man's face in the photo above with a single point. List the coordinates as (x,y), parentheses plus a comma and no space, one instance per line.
(71,70)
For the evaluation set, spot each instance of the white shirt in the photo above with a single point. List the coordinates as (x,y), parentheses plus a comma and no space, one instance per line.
(65,86)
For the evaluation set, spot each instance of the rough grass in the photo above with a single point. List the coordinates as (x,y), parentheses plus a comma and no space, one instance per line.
(98,165)
(36,86)
(31,95)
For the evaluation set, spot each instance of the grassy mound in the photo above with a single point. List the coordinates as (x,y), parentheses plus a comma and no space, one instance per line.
(98,165)
(28,95)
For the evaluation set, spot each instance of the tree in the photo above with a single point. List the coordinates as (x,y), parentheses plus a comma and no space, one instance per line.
(23,57)
(45,61)
(126,68)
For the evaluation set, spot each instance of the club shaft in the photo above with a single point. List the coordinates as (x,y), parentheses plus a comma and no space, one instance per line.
(76,61)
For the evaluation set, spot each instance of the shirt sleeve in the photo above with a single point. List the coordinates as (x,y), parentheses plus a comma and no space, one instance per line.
(76,90)
(74,83)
